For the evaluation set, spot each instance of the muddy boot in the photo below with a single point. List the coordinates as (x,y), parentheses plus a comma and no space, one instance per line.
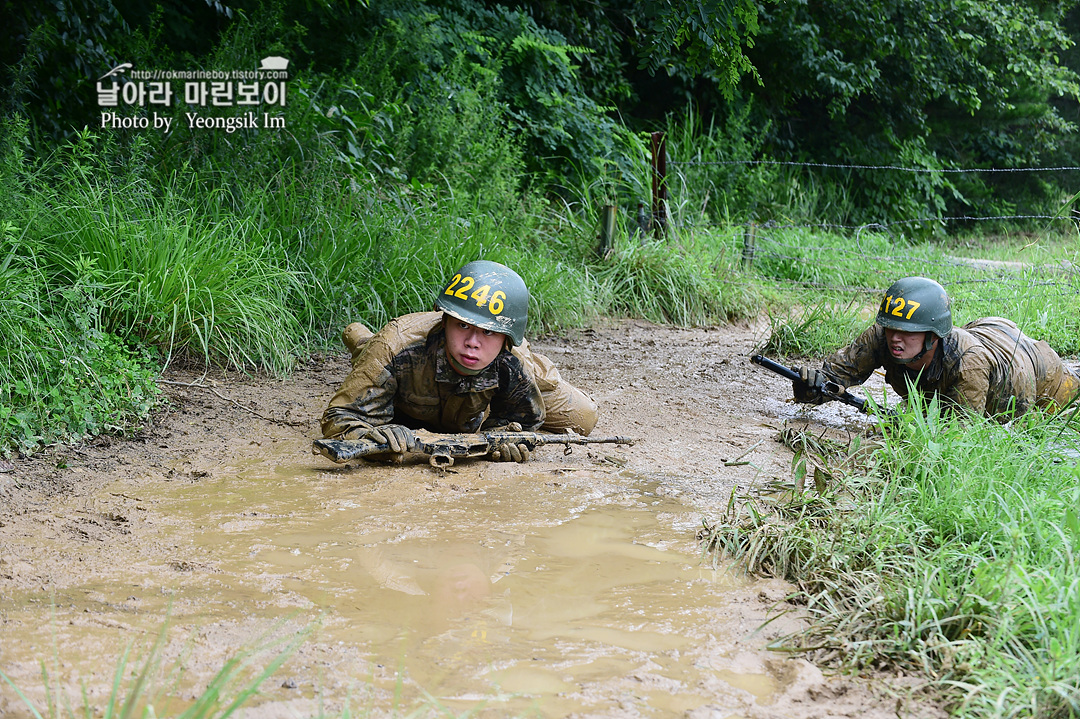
(354,337)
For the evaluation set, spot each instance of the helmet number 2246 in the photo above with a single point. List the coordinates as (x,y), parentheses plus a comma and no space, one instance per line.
(495,306)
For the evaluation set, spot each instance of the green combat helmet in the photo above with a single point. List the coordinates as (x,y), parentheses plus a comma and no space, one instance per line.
(490,296)
(916,304)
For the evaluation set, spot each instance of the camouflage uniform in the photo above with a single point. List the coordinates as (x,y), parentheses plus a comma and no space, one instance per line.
(988,366)
(402,376)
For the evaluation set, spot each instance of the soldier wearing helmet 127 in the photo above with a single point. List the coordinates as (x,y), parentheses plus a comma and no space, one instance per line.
(988,366)
(464,367)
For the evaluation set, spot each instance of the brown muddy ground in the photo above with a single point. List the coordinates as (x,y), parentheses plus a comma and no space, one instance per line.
(96,547)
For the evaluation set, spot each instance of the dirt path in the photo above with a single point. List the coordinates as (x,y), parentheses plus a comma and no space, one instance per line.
(71,518)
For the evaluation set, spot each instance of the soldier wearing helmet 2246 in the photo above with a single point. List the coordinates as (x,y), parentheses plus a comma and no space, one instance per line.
(464,367)
(988,366)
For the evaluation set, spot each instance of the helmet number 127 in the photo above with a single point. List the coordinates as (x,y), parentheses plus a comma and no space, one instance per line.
(898,309)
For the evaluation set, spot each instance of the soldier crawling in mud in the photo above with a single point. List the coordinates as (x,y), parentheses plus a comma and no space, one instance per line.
(464,367)
(988,366)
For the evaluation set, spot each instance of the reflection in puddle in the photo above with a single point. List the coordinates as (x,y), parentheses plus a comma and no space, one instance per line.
(554,597)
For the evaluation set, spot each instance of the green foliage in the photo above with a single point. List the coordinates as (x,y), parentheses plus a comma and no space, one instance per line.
(61,377)
(177,278)
(364,127)
(67,388)
(647,280)
(711,34)
(950,551)
(802,257)
(891,84)
(55,49)
(815,329)
(222,161)
(690,280)
(432,91)
(495,63)
(715,180)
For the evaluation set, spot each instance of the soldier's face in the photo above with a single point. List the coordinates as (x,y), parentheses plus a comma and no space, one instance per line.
(904,345)
(470,346)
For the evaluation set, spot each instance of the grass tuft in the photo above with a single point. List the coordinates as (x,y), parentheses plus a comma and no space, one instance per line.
(137,691)
(951,551)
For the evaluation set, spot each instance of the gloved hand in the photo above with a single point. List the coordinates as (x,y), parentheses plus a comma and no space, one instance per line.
(400,438)
(808,387)
(509,451)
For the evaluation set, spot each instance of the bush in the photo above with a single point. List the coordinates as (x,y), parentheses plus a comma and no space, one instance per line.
(61,377)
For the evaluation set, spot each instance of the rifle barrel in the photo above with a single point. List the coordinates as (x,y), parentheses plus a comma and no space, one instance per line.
(775,367)
(830,390)
(581,439)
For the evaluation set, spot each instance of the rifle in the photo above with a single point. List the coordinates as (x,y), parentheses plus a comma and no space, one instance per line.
(830,389)
(445,448)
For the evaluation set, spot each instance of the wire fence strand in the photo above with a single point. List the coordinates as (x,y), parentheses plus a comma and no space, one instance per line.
(823,261)
(775,248)
(898,168)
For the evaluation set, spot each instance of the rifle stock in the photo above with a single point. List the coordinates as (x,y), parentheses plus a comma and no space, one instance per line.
(829,389)
(444,449)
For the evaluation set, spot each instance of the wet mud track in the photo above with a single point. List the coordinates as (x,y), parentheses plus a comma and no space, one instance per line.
(569,586)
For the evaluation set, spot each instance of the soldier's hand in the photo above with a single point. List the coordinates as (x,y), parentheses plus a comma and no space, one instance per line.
(509,452)
(399,437)
(511,427)
(809,385)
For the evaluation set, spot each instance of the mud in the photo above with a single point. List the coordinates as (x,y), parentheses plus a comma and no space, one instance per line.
(569,586)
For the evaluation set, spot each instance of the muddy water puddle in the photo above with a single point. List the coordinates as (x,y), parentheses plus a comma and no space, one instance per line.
(538,592)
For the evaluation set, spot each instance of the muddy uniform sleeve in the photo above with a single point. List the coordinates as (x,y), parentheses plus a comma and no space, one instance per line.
(972,384)
(366,398)
(518,399)
(854,364)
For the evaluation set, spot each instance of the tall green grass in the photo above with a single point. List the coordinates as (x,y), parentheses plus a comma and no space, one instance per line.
(813,326)
(62,377)
(671,282)
(165,274)
(954,555)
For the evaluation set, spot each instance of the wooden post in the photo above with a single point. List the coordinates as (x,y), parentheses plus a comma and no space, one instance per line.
(607,231)
(659,184)
(644,222)
(748,249)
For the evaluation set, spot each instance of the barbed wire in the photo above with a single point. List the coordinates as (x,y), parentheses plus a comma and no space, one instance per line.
(764,247)
(1063,289)
(763,244)
(899,168)
(947,262)
(773,225)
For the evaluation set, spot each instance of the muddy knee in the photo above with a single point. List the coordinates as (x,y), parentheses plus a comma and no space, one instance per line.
(354,336)
(569,408)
